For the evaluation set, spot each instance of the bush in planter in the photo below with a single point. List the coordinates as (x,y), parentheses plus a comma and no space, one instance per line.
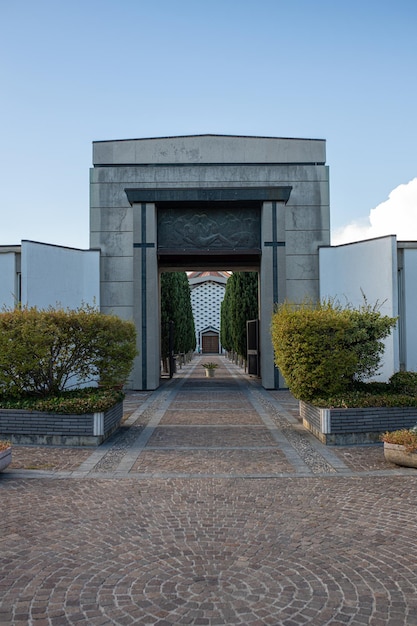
(322,349)
(45,352)
(406,437)
(74,402)
(404,383)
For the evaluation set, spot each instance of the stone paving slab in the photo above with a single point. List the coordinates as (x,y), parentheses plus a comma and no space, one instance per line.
(210,436)
(48,458)
(210,416)
(214,462)
(218,401)
(364,458)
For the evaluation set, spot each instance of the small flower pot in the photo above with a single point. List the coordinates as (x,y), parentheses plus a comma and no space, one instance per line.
(210,373)
(5,458)
(399,455)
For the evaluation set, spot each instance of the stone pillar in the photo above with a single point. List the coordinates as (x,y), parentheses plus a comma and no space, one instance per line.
(146,373)
(272,285)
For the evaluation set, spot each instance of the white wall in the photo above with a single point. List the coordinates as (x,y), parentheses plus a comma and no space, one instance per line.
(54,275)
(370,268)
(410,308)
(8,280)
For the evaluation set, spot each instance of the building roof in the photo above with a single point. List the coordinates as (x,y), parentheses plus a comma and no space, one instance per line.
(209,150)
(198,278)
(209,274)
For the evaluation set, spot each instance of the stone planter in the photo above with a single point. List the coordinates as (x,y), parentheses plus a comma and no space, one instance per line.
(210,373)
(398,454)
(345,427)
(39,428)
(5,458)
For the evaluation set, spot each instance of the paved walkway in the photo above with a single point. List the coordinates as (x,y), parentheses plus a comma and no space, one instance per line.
(212,505)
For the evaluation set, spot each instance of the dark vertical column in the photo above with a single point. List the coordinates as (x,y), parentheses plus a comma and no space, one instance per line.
(272,275)
(146,297)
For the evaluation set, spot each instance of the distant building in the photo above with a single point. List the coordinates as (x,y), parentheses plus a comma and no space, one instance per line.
(207,293)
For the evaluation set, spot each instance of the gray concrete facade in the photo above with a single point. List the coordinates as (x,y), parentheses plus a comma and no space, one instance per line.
(276,191)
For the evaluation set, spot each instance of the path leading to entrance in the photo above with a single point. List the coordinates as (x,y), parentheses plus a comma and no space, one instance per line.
(211,506)
(221,427)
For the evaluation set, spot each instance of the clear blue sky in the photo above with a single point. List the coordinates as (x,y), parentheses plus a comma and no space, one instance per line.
(76,71)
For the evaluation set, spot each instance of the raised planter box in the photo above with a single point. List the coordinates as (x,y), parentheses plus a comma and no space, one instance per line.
(38,428)
(398,454)
(341,427)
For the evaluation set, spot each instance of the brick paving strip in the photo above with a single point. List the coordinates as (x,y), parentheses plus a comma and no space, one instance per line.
(179,449)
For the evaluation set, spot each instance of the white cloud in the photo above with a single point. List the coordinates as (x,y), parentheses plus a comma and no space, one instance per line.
(395,216)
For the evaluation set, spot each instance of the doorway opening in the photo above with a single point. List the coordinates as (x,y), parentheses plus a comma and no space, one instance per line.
(208,316)
(210,341)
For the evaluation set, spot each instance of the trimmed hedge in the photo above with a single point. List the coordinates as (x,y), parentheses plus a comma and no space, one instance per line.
(44,352)
(76,402)
(323,349)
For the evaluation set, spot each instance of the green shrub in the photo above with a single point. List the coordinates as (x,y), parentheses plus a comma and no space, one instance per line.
(362,400)
(77,401)
(43,352)
(404,382)
(322,349)
(368,329)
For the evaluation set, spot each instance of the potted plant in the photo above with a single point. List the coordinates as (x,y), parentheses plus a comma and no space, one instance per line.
(5,454)
(400,446)
(210,368)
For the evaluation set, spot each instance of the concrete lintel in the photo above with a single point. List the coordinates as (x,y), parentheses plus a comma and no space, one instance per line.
(214,194)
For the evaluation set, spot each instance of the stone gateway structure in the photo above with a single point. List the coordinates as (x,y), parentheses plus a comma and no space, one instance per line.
(206,202)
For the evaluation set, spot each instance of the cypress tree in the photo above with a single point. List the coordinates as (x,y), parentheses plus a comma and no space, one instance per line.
(240,304)
(225,318)
(176,307)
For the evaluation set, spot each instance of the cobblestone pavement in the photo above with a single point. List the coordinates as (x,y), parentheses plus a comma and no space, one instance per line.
(211,505)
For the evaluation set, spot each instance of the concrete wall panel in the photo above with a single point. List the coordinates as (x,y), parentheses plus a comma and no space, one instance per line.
(313,194)
(116,269)
(116,219)
(54,275)
(368,268)
(209,175)
(307,218)
(302,267)
(115,243)
(305,242)
(410,308)
(209,149)
(300,290)
(110,195)
(117,294)
(9,296)
(125,313)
